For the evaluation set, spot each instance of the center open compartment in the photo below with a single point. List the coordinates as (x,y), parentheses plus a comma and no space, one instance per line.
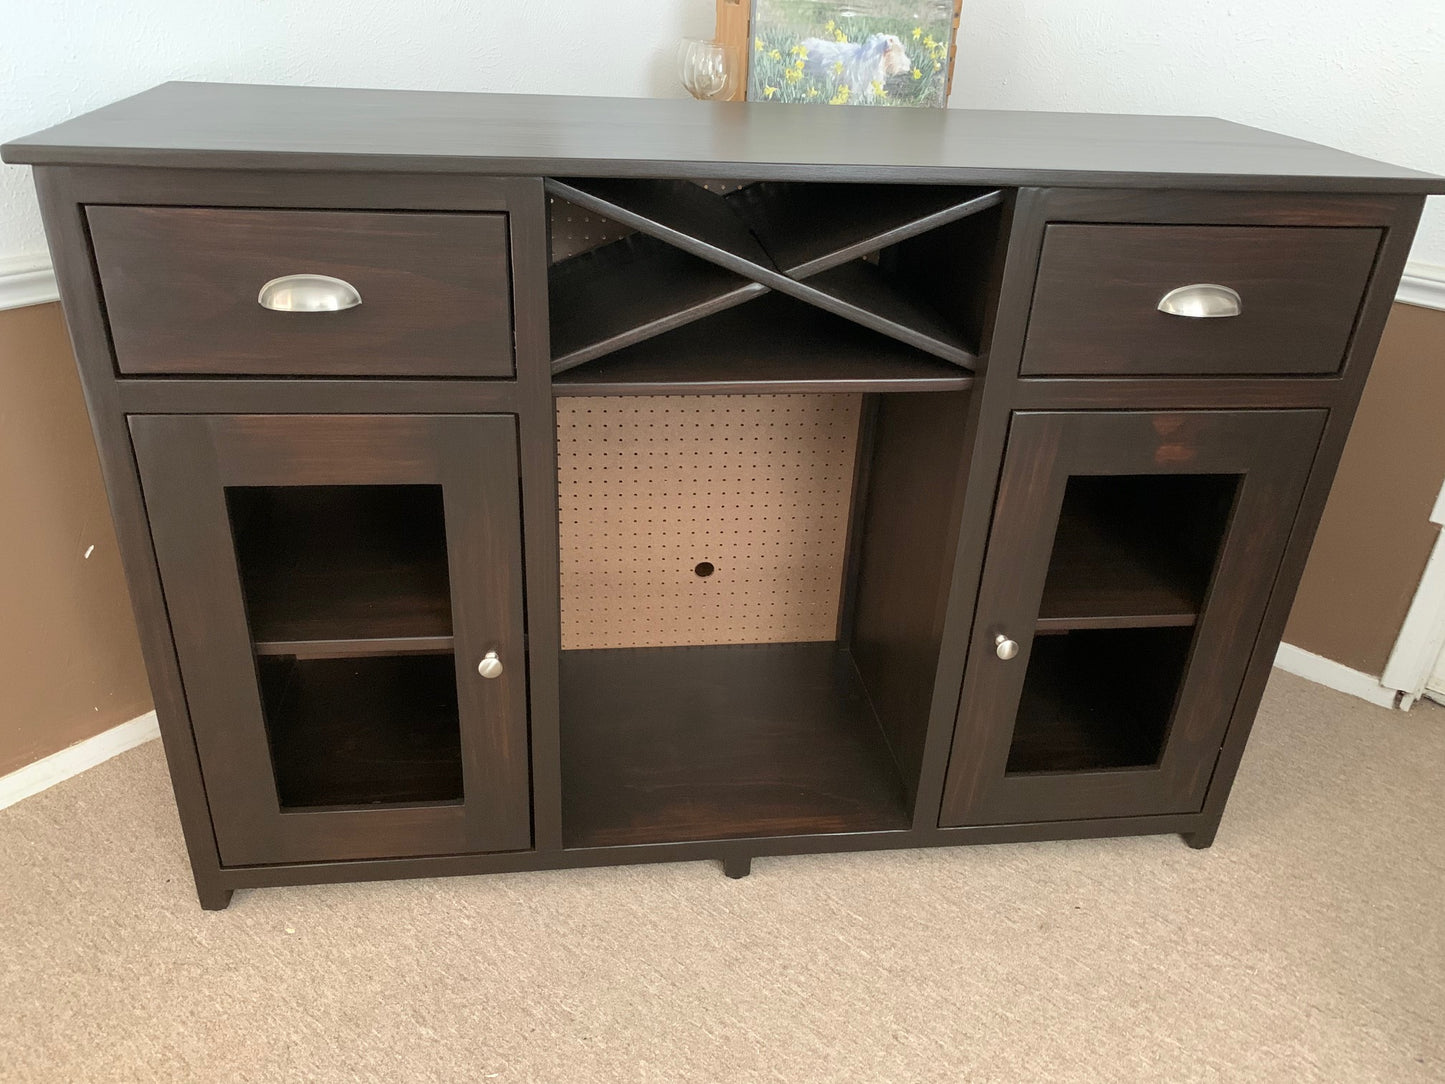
(762,390)
(752,595)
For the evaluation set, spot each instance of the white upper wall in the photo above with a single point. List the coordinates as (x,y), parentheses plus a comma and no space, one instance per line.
(60,58)
(1366,79)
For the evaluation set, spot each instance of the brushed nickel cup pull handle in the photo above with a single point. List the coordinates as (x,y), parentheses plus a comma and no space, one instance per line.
(490,666)
(1202,301)
(1005,648)
(308,293)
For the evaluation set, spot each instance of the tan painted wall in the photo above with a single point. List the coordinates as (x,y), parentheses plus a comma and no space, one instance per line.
(70,663)
(1376,534)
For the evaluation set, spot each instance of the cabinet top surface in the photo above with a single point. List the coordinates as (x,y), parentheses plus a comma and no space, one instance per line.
(236,126)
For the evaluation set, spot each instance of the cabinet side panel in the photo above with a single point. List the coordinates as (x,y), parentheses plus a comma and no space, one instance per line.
(79,290)
(907,543)
(1400,232)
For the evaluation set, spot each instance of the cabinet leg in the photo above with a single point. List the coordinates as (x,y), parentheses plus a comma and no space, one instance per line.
(1202,837)
(213,897)
(737,865)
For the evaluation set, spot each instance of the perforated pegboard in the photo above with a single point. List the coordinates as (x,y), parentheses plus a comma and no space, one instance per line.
(575,230)
(650,487)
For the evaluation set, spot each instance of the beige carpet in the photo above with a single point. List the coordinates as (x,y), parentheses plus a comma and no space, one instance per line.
(1309,944)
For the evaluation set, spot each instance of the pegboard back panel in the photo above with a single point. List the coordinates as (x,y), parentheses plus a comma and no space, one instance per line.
(573,230)
(652,487)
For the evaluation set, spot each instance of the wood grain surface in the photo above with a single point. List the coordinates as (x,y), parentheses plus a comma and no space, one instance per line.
(1096,309)
(237,126)
(181,287)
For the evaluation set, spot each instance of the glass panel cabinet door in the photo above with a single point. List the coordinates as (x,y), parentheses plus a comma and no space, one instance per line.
(346,598)
(1126,553)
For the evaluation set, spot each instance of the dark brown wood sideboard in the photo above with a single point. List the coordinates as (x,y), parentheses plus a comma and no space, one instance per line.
(514,482)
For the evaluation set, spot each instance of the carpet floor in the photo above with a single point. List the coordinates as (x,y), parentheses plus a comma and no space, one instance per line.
(1307,945)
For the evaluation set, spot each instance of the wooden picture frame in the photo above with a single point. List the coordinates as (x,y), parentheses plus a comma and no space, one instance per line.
(734,27)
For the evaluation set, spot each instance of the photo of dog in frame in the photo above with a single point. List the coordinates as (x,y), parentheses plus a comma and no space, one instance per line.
(878,52)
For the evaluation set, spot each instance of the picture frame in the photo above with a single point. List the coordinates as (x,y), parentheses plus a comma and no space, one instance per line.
(869,52)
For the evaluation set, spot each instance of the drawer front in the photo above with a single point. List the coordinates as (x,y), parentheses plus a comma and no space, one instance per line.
(182,285)
(1096,300)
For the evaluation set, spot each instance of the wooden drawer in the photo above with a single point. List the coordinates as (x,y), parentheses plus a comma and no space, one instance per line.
(181,290)
(1096,300)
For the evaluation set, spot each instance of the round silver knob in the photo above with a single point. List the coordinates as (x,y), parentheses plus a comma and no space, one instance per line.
(490,666)
(1005,648)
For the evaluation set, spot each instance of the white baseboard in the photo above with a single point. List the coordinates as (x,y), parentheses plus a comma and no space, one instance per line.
(58,767)
(1423,284)
(1333,675)
(27,280)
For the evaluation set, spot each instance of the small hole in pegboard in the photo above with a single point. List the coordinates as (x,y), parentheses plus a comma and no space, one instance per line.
(704,568)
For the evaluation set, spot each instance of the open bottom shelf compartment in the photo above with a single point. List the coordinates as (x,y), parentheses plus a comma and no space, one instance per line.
(750,592)
(694,743)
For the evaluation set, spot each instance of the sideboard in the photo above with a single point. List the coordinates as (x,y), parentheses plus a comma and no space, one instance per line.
(511,482)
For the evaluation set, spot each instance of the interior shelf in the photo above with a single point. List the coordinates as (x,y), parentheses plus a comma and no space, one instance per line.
(1134,551)
(717,742)
(364,731)
(630,290)
(335,571)
(866,297)
(774,344)
(820,244)
(1098,699)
